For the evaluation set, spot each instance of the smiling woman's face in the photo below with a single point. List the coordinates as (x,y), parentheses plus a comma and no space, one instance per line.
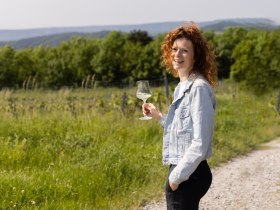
(183,57)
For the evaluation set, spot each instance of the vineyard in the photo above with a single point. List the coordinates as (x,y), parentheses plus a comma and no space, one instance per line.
(86,149)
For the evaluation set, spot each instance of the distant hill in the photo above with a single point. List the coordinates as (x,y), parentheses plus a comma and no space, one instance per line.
(221,25)
(50,40)
(53,36)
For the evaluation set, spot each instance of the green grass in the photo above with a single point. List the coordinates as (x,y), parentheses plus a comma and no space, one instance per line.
(76,150)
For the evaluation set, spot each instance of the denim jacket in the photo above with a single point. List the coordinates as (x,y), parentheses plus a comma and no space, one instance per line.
(188,128)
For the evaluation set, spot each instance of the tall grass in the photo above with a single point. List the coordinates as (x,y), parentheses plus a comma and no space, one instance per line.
(75,150)
(243,122)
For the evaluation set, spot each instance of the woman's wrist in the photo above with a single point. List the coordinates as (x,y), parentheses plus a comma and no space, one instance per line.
(159,116)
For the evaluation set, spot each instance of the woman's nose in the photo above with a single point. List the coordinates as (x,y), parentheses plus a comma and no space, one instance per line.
(177,53)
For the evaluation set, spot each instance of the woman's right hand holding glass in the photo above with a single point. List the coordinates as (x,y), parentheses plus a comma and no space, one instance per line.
(150,110)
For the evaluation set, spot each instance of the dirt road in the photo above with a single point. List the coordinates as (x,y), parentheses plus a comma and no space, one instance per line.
(250,182)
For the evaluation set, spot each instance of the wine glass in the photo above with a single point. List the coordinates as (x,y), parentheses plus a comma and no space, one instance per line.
(143,93)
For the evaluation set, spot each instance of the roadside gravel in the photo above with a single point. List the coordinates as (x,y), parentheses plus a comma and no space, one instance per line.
(250,182)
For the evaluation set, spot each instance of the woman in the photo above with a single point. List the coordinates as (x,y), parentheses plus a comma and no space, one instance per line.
(189,124)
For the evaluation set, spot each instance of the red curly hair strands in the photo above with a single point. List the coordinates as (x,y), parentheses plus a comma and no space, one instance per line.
(205,63)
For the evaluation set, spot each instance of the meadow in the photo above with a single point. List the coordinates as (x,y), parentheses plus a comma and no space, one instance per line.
(86,149)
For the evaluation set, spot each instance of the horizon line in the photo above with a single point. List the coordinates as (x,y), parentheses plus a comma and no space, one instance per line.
(138,24)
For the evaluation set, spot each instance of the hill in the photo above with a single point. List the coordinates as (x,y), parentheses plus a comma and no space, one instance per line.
(53,36)
(50,40)
(221,25)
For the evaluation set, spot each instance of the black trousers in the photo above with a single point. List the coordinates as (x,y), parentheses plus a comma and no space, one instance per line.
(189,192)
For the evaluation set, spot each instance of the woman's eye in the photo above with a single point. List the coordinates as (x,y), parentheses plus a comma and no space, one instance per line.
(174,50)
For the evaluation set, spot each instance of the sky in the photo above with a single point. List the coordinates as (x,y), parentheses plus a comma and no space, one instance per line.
(26,14)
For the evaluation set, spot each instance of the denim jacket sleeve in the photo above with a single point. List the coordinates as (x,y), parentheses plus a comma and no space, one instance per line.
(202,110)
(163,120)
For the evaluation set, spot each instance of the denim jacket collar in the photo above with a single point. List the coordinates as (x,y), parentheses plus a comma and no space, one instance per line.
(186,87)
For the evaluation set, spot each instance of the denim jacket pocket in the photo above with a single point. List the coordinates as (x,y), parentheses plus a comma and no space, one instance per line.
(184,139)
(184,112)
(185,118)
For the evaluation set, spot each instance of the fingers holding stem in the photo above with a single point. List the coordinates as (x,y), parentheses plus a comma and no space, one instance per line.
(150,110)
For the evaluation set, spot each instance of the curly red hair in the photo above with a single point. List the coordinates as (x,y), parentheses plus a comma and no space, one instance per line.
(204,57)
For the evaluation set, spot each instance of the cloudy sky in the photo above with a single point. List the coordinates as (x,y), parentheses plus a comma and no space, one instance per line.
(22,14)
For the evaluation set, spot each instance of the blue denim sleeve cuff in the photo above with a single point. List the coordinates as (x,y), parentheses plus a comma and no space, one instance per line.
(174,177)
(163,120)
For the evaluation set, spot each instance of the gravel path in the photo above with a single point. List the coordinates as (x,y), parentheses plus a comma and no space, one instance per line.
(250,182)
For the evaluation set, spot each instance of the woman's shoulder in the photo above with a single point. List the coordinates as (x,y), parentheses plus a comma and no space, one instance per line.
(202,87)
(200,84)
(200,81)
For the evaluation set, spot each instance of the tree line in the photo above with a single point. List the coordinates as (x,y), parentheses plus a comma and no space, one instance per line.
(248,56)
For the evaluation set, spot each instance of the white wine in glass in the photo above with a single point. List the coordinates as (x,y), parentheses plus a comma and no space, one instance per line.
(143,93)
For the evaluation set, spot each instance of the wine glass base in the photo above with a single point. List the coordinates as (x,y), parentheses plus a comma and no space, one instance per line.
(145,118)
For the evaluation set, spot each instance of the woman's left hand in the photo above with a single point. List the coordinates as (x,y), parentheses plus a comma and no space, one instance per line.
(173,186)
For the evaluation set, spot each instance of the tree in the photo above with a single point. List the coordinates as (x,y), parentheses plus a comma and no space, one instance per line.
(139,36)
(25,67)
(83,52)
(59,72)
(108,62)
(131,59)
(149,65)
(257,61)
(225,44)
(41,56)
(8,72)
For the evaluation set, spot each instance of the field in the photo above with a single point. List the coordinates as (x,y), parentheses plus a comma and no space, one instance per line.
(86,149)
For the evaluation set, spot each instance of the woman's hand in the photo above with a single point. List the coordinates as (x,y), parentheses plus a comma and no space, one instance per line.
(151,111)
(173,186)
